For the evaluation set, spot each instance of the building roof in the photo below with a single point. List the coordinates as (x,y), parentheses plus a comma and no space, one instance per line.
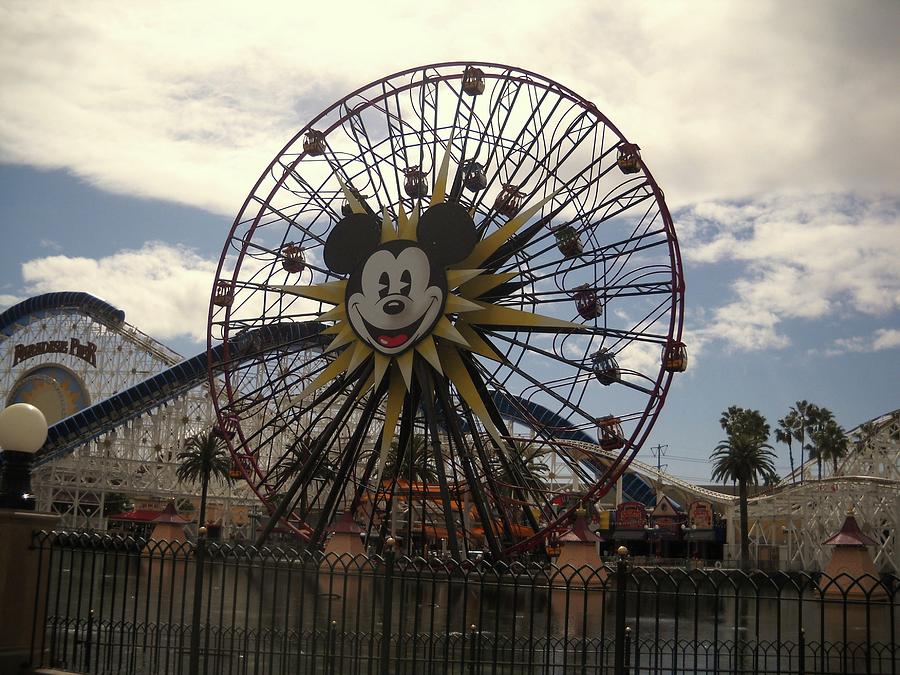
(170,515)
(136,516)
(580,532)
(849,535)
(167,515)
(666,506)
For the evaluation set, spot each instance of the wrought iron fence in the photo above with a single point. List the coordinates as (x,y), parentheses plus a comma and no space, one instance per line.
(115,605)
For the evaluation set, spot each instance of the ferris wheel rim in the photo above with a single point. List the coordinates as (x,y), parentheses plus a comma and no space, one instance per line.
(675,327)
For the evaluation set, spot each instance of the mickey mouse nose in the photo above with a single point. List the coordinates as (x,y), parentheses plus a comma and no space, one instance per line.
(394,306)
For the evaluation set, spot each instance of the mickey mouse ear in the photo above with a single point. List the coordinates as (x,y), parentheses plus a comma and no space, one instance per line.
(447,232)
(351,241)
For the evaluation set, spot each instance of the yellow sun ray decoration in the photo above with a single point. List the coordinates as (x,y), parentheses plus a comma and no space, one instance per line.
(438,340)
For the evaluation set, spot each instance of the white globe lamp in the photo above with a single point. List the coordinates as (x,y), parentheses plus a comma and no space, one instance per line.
(23,430)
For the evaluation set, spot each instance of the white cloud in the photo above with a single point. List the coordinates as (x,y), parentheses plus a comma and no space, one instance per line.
(7,300)
(886,338)
(163,289)
(803,258)
(881,339)
(189,101)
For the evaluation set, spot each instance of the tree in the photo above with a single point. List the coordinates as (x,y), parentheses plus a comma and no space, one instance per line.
(825,436)
(532,456)
(416,465)
(745,458)
(829,442)
(205,456)
(296,456)
(785,434)
(115,503)
(805,413)
(524,467)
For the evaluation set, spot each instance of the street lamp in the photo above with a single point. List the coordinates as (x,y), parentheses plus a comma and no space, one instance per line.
(23,430)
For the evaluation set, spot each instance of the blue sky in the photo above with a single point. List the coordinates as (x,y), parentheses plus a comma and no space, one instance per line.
(129,136)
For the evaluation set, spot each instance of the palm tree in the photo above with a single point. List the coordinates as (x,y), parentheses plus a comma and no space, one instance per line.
(524,467)
(785,434)
(744,457)
(805,413)
(418,465)
(830,443)
(532,459)
(822,429)
(205,456)
(295,458)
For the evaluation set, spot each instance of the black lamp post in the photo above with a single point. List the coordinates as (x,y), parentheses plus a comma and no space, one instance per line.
(23,430)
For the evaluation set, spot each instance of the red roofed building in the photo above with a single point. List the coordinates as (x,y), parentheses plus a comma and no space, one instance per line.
(851,570)
(578,548)
(345,537)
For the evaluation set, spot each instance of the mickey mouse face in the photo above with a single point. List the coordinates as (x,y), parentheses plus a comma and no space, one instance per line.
(397,290)
(396,298)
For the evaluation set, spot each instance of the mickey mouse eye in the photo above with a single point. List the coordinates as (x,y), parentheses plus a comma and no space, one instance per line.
(405,283)
(384,282)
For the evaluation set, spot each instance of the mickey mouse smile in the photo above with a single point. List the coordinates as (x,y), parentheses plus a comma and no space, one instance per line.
(391,338)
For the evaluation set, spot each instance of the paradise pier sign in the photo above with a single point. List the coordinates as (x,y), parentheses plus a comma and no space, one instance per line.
(73,346)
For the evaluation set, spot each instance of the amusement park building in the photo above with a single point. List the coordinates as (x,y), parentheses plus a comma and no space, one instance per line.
(73,354)
(790,523)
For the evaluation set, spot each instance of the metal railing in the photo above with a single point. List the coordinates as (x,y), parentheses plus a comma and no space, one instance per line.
(115,605)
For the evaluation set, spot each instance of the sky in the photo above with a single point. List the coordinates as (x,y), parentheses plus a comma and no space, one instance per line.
(130,135)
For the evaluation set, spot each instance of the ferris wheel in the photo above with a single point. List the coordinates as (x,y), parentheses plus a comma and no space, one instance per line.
(442,251)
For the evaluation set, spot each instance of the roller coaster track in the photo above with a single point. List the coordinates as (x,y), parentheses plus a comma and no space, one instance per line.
(100,418)
(650,471)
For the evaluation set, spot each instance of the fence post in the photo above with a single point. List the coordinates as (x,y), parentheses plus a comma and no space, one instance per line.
(199,552)
(89,640)
(621,588)
(627,668)
(387,608)
(802,659)
(473,654)
(332,647)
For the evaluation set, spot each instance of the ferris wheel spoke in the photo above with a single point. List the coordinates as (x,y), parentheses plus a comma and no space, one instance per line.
(462,452)
(519,486)
(354,127)
(622,261)
(339,481)
(502,106)
(266,207)
(427,388)
(547,160)
(404,445)
(276,427)
(313,197)
(509,339)
(517,244)
(476,371)
(305,473)
(395,122)
(517,370)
